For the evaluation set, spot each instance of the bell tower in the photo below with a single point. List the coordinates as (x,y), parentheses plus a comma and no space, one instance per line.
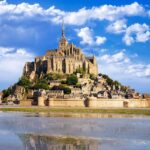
(63,42)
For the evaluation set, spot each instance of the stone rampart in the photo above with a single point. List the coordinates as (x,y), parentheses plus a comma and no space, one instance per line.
(66,103)
(26,102)
(139,103)
(102,103)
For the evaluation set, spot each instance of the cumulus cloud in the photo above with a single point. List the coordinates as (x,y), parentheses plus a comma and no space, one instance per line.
(133,33)
(117,27)
(122,64)
(80,17)
(12,61)
(139,70)
(126,69)
(118,58)
(24,11)
(104,12)
(86,34)
(100,40)
(137,33)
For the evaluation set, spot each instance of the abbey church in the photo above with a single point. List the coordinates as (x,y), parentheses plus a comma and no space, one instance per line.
(66,59)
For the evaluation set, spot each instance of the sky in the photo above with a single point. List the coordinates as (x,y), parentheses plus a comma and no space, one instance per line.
(117,32)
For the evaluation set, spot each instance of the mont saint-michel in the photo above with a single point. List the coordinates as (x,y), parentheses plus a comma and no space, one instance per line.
(74,75)
(65,77)
(66,59)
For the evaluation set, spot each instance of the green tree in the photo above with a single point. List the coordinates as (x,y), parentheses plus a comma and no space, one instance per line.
(48,77)
(92,77)
(116,84)
(53,76)
(7,92)
(78,85)
(25,82)
(66,89)
(41,84)
(72,79)
(109,81)
(80,70)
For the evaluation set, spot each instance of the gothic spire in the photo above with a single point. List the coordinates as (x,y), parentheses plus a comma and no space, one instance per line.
(63,32)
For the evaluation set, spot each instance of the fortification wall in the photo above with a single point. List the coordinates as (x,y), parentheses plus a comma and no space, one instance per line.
(26,102)
(66,103)
(119,103)
(139,103)
(109,103)
(91,103)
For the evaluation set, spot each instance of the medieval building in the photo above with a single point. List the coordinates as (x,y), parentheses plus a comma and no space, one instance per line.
(66,59)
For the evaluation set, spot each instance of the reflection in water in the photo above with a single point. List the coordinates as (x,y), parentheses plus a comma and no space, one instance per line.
(37,142)
(18,132)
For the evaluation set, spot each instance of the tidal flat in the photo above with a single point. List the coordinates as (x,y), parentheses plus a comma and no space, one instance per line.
(30,131)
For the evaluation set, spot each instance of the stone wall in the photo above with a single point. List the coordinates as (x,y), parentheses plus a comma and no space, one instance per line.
(91,103)
(102,103)
(66,103)
(26,102)
(119,103)
(139,103)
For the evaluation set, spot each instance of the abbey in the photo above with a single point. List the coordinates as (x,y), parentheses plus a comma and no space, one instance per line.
(66,59)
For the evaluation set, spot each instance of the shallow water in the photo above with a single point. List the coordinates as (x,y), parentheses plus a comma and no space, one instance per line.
(24,131)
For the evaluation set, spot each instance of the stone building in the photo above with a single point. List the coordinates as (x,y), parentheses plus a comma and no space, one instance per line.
(66,59)
(19,92)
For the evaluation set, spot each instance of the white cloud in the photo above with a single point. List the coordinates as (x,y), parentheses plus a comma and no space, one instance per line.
(124,65)
(137,33)
(100,40)
(140,70)
(80,17)
(86,34)
(133,33)
(117,27)
(125,69)
(12,61)
(119,58)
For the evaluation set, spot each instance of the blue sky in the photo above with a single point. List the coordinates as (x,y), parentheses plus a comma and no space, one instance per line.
(117,32)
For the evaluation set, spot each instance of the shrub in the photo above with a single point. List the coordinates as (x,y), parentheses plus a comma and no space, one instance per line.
(25,82)
(78,85)
(117,85)
(66,89)
(80,70)
(53,76)
(92,77)
(7,92)
(48,77)
(41,84)
(63,82)
(72,79)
